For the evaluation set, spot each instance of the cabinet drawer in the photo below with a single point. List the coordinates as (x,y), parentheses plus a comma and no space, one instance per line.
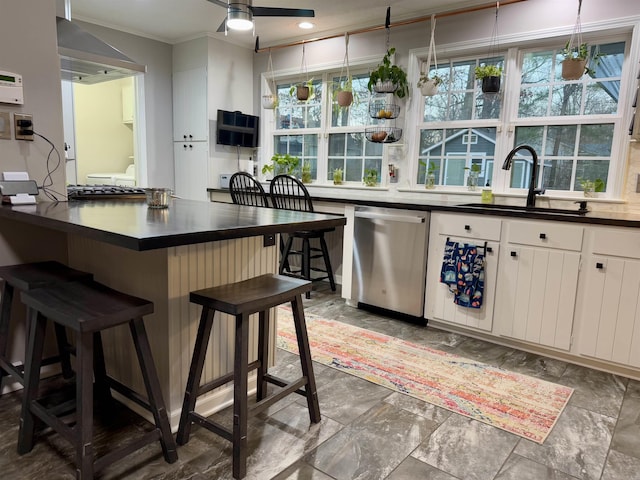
(616,242)
(471,226)
(546,234)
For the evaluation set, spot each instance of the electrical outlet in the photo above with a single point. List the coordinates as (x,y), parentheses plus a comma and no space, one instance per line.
(23,123)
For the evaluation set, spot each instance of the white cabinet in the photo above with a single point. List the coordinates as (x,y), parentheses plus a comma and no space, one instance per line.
(538,282)
(610,311)
(191,170)
(190,112)
(476,230)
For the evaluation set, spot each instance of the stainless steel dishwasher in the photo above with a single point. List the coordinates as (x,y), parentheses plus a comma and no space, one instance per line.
(390,259)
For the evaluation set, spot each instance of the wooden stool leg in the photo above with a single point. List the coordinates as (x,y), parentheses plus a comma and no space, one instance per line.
(284,261)
(327,263)
(99,368)
(195,374)
(154,392)
(85,454)
(5,320)
(263,354)
(240,404)
(33,360)
(305,359)
(63,350)
(306,262)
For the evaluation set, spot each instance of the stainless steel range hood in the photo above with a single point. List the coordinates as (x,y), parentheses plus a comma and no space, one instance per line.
(87,59)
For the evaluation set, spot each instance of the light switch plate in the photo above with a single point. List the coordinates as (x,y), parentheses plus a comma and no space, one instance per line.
(17,117)
(5,125)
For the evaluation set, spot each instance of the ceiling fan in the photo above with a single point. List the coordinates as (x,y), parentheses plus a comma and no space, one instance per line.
(240,13)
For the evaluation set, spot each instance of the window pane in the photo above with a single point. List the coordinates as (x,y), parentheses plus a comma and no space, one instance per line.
(534,101)
(358,113)
(591,170)
(531,136)
(602,98)
(595,140)
(561,140)
(536,67)
(454,171)
(351,151)
(305,147)
(332,164)
(292,113)
(557,174)
(353,172)
(566,99)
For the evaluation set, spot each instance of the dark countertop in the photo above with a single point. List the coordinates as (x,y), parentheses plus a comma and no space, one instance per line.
(376,198)
(131,224)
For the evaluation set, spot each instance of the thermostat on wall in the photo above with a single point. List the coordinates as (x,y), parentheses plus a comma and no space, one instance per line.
(11,88)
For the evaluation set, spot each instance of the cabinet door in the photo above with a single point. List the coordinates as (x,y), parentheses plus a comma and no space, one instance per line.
(536,295)
(191,170)
(190,117)
(439,300)
(610,322)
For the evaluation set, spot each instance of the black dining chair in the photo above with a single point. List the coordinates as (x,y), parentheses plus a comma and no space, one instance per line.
(246,190)
(289,193)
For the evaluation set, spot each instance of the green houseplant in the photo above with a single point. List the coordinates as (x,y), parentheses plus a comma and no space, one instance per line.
(472,179)
(281,164)
(303,91)
(429,85)
(589,187)
(337,176)
(370,178)
(430,175)
(575,61)
(343,93)
(490,77)
(306,172)
(388,77)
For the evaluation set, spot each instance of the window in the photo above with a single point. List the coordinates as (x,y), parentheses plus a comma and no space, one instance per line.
(574,125)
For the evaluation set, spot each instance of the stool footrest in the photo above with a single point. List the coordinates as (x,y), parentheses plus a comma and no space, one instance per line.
(210,425)
(226,378)
(119,453)
(283,383)
(127,392)
(275,397)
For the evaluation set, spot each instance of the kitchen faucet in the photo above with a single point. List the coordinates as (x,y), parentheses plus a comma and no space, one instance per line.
(533,191)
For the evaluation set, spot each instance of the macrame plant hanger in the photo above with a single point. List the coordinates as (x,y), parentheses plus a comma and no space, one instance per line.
(429,86)
(270,100)
(344,93)
(574,64)
(491,73)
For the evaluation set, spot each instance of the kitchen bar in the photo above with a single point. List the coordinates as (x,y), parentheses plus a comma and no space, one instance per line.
(162,255)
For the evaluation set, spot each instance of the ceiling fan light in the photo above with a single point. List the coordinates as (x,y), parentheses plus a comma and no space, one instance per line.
(238,20)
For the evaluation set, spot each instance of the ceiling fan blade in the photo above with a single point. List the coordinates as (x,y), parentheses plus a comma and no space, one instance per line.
(280,12)
(222,28)
(219,2)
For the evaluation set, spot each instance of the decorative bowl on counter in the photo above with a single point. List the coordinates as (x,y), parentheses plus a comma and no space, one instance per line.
(158,197)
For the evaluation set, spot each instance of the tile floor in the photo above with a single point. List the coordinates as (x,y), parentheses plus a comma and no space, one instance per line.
(369,432)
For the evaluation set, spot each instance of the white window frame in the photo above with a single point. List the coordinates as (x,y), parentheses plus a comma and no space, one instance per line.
(598,32)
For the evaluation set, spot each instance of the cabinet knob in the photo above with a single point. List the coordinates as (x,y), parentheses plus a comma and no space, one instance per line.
(514,253)
(184,136)
(543,236)
(184,146)
(190,136)
(467,227)
(599,265)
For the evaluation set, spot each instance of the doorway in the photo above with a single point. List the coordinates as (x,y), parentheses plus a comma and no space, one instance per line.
(101,134)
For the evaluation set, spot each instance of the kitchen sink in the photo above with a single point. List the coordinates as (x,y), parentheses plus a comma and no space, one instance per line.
(523,209)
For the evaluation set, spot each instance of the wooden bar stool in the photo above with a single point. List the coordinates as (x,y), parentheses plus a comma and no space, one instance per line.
(88,308)
(26,277)
(242,299)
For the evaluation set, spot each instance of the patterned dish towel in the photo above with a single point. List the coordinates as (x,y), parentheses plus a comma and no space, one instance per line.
(463,272)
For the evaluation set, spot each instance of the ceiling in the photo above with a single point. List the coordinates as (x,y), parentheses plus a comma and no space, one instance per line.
(174,21)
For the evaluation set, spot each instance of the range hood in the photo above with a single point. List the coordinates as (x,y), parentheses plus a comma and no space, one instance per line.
(87,59)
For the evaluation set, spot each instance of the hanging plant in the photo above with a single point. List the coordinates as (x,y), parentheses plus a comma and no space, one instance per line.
(270,100)
(490,75)
(343,93)
(388,78)
(576,53)
(304,90)
(429,85)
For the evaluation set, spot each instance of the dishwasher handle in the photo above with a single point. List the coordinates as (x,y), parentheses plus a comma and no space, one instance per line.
(389,217)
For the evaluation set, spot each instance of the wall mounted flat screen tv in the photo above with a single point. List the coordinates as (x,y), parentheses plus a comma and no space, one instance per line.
(237,129)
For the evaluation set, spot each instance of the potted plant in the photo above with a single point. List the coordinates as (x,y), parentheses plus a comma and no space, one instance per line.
(574,63)
(589,187)
(370,178)
(430,175)
(343,94)
(472,179)
(306,172)
(490,77)
(304,91)
(429,86)
(337,176)
(281,164)
(388,78)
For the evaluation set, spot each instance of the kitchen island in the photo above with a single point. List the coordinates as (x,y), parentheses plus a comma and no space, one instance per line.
(162,255)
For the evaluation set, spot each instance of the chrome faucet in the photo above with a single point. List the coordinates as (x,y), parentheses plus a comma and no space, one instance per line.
(533,191)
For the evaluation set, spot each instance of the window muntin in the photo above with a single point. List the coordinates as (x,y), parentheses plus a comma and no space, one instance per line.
(305,147)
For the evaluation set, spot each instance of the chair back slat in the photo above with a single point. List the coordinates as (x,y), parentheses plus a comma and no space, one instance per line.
(289,193)
(246,190)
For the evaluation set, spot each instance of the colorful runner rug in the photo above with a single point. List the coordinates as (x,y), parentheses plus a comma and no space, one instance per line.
(517,403)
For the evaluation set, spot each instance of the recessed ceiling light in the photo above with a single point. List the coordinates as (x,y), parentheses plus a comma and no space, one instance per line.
(306,25)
